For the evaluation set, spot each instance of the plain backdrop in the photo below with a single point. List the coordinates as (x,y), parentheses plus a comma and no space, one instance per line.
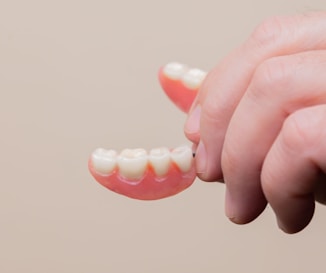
(80,74)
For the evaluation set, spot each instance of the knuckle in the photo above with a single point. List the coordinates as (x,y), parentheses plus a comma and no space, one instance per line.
(271,76)
(212,110)
(271,30)
(300,131)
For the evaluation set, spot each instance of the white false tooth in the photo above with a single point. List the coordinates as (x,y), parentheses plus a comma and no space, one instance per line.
(193,78)
(175,71)
(183,157)
(160,160)
(104,161)
(132,163)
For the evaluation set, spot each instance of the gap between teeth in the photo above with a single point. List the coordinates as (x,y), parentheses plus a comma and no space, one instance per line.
(132,163)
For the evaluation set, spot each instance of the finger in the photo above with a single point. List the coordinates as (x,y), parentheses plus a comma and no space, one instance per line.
(280,86)
(293,167)
(181,84)
(225,85)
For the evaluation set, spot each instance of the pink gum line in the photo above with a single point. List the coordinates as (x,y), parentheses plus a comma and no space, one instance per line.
(149,187)
(177,92)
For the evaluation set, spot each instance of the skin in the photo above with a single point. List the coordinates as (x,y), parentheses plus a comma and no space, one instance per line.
(258,122)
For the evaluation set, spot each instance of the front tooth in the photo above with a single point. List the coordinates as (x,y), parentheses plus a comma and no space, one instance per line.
(132,163)
(160,160)
(193,78)
(182,156)
(104,161)
(175,71)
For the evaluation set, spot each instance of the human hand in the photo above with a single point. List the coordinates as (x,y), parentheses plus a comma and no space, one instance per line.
(258,122)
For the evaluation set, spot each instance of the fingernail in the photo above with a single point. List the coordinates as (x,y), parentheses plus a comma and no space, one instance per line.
(193,122)
(201,158)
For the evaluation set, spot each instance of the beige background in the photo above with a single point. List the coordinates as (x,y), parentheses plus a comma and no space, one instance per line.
(75,75)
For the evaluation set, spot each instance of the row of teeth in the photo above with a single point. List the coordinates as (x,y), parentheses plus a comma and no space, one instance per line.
(132,163)
(190,77)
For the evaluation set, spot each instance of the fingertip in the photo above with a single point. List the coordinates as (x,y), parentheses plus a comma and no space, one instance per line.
(295,219)
(292,229)
(201,159)
(229,209)
(243,211)
(207,168)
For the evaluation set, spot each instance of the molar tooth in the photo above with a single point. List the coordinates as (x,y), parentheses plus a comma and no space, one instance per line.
(104,161)
(175,71)
(132,163)
(193,78)
(182,156)
(160,160)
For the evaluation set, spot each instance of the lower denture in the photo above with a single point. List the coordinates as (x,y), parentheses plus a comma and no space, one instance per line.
(150,186)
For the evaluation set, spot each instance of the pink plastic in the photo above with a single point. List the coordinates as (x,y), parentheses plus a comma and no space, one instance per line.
(177,92)
(150,187)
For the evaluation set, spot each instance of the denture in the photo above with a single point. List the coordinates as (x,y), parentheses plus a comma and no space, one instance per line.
(181,83)
(146,176)
(161,172)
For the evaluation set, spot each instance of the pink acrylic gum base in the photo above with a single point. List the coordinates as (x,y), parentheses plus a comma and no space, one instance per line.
(177,92)
(150,186)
